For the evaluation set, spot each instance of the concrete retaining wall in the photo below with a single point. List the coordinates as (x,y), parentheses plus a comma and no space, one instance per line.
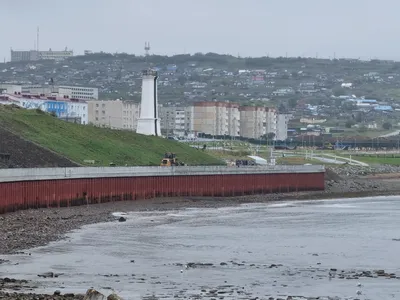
(36,188)
(11,175)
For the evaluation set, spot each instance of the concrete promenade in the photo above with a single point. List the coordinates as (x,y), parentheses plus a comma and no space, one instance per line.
(15,175)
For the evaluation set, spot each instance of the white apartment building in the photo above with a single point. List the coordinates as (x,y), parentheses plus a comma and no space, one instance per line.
(233,120)
(282,126)
(270,121)
(34,55)
(252,122)
(9,88)
(39,89)
(56,55)
(115,114)
(78,109)
(258,121)
(176,120)
(216,118)
(79,92)
(71,92)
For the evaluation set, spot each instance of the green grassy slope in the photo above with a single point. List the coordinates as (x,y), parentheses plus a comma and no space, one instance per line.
(79,142)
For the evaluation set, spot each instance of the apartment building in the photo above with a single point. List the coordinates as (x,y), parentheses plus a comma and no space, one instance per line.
(71,92)
(115,114)
(216,118)
(252,121)
(282,126)
(34,55)
(176,120)
(258,121)
(233,119)
(9,88)
(270,120)
(79,92)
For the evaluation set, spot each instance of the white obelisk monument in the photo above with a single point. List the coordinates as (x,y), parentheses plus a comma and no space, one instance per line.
(149,123)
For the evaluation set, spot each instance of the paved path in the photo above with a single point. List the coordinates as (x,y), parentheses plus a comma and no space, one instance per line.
(350,161)
(391,133)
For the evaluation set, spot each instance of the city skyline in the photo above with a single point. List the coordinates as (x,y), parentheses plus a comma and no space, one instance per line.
(255,28)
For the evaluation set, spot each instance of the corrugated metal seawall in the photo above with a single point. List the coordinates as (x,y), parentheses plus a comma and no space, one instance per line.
(35,193)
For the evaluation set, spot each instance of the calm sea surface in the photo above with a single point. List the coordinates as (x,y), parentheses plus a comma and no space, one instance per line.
(147,254)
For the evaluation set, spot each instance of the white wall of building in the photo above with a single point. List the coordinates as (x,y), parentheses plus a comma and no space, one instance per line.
(38,89)
(271,121)
(10,88)
(79,92)
(282,126)
(78,110)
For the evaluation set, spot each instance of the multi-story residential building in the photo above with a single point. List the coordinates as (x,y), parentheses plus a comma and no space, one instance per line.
(282,126)
(252,122)
(176,120)
(71,92)
(257,122)
(270,120)
(79,92)
(9,88)
(216,118)
(39,89)
(34,55)
(78,109)
(115,114)
(233,120)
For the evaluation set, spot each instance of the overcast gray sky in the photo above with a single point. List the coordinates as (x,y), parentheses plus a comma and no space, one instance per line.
(351,28)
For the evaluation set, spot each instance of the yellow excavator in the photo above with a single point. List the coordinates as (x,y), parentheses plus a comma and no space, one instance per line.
(170,160)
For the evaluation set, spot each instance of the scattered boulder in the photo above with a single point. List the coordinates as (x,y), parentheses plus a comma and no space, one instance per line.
(46,275)
(122,219)
(92,294)
(114,297)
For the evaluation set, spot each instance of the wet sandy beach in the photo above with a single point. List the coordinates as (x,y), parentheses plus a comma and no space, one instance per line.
(306,249)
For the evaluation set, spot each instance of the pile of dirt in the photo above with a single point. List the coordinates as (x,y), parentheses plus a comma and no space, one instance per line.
(15,152)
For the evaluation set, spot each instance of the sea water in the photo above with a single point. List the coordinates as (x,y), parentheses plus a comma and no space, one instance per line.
(252,250)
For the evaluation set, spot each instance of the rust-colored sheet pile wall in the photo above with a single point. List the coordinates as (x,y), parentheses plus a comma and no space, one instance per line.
(70,192)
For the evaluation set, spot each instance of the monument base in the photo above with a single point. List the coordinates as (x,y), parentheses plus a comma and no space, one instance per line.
(149,126)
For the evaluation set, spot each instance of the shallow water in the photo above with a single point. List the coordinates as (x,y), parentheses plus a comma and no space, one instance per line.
(307,238)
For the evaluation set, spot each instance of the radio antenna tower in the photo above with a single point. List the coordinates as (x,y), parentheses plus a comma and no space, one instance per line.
(147,48)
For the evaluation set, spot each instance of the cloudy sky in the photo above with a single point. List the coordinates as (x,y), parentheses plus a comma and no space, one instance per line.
(349,28)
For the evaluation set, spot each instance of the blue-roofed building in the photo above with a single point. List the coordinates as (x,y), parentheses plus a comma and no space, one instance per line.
(383,108)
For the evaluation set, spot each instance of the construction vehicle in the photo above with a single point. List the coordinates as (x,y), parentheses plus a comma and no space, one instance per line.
(170,160)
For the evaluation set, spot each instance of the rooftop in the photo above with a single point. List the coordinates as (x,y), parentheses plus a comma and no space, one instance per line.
(18,96)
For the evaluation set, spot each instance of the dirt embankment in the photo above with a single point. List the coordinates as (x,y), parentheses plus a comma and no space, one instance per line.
(25,154)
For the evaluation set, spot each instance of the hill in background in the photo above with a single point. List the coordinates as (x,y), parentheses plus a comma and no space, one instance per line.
(75,143)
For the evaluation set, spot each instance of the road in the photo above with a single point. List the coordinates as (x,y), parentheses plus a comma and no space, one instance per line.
(397,132)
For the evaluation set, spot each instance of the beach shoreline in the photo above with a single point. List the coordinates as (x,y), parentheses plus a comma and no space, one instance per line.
(27,229)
